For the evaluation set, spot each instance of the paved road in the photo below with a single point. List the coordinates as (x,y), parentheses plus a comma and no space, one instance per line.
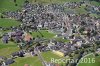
(68,26)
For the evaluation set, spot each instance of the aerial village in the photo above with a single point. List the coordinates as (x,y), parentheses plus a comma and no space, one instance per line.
(57,28)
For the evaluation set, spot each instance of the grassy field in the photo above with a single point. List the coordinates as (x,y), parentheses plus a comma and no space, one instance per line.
(97,61)
(49,55)
(61,39)
(81,10)
(9,5)
(8,23)
(7,49)
(95,15)
(45,34)
(34,61)
(95,3)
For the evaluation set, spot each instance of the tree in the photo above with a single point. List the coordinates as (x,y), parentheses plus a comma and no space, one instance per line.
(97,42)
(15,4)
(88,34)
(95,33)
(2,16)
(35,0)
(76,52)
(26,1)
(96,54)
(14,1)
(81,29)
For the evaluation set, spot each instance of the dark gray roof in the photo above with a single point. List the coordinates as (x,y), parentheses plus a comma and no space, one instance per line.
(9,61)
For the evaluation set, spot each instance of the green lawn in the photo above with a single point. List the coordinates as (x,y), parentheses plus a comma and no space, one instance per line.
(50,55)
(81,10)
(7,49)
(35,61)
(95,15)
(45,34)
(8,23)
(9,5)
(61,39)
(48,35)
(32,61)
(97,61)
(4,31)
(95,3)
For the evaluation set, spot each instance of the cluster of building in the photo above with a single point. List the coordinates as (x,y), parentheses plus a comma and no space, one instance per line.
(49,16)
(79,29)
(93,9)
(17,37)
